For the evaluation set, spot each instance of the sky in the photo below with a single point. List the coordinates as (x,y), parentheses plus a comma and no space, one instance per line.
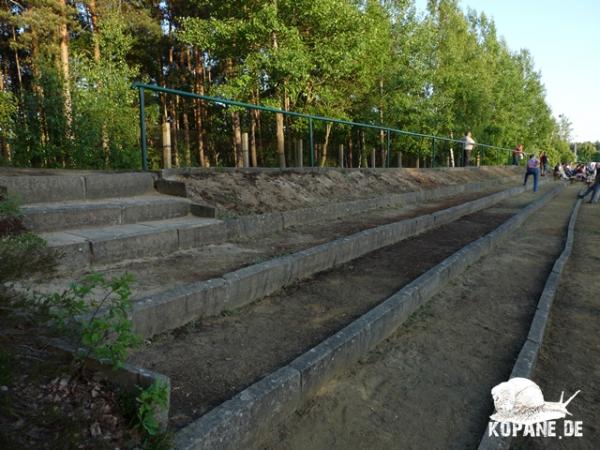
(563,38)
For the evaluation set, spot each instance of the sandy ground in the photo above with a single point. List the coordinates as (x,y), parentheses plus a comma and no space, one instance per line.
(234,193)
(212,359)
(570,356)
(428,386)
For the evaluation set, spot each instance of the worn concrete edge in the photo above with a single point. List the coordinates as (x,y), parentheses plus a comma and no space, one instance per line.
(234,423)
(527,358)
(128,377)
(82,186)
(165,173)
(246,227)
(175,307)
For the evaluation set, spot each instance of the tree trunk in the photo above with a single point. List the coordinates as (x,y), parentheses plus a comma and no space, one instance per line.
(253,160)
(325,145)
(66,74)
(39,95)
(260,146)
(280,139)
(363,151)
(96,43)
(278,116)
(350,147)
(199,76)
(237,139)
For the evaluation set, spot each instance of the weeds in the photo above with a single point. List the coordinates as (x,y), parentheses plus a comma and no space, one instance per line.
(150,402)
(100,325)
(24,254)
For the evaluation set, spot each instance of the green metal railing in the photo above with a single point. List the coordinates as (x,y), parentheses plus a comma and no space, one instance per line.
(311,119)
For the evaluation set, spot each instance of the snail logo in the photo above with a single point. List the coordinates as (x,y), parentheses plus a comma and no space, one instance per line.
(521,401)
(521,410)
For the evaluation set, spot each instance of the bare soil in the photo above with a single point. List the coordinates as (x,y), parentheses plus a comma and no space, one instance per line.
(570,356)
(429,385)
(212,359)
(250,192)
(45,403)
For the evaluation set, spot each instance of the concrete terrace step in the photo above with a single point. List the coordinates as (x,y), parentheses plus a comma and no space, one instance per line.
(77,252)
(114,211)
(85,246)
(62,186)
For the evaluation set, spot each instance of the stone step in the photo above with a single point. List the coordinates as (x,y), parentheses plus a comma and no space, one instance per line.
(83,247)
(63,186)
(116,211)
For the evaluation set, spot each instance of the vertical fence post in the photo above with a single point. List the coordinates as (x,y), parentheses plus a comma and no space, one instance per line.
(143,130)
(341,155)
(245,149)
(311,142)
(373,158)
(166,144)
(389,148)
(432,152)
(299,156)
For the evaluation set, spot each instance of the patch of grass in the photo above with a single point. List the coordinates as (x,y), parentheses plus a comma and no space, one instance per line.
(24,254)
(9,206)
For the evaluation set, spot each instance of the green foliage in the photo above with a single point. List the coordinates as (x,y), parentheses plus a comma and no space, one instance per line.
(95,313)
(444,72)
(150,402)
(23,254)
(9,206)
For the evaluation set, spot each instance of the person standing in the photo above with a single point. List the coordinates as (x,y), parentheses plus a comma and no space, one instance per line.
(544,163)
(533,168)
(594,187)
(468,144)
(517,154)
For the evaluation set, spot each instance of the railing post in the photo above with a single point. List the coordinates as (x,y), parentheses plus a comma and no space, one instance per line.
(299,155)
(143,129)
(166,142)
(389,147)
(341,155)
(245,149)
(373,158)
(432,152)
(311,142)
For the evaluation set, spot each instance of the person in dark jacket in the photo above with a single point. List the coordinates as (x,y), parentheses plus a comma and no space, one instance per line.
(594,187)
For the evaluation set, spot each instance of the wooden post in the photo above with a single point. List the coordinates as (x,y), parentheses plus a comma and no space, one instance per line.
(166,140)
(373,158)
(245,150)
(299,155)
(341,155)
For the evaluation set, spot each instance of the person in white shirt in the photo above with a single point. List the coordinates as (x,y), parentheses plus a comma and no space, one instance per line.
(468,144)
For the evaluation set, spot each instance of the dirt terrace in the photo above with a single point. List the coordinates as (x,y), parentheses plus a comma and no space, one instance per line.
(256,192)
(212,359)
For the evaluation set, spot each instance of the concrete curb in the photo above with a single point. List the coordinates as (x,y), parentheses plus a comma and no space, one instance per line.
(128,377)
(84,186)
(525,363)
(176,307)
(234,424)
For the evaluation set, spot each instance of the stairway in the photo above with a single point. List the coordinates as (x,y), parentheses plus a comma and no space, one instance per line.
(92,218)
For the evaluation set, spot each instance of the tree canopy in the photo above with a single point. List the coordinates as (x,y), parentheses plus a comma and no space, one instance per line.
(66,68)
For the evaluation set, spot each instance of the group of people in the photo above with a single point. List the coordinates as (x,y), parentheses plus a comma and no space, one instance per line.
(589,173)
